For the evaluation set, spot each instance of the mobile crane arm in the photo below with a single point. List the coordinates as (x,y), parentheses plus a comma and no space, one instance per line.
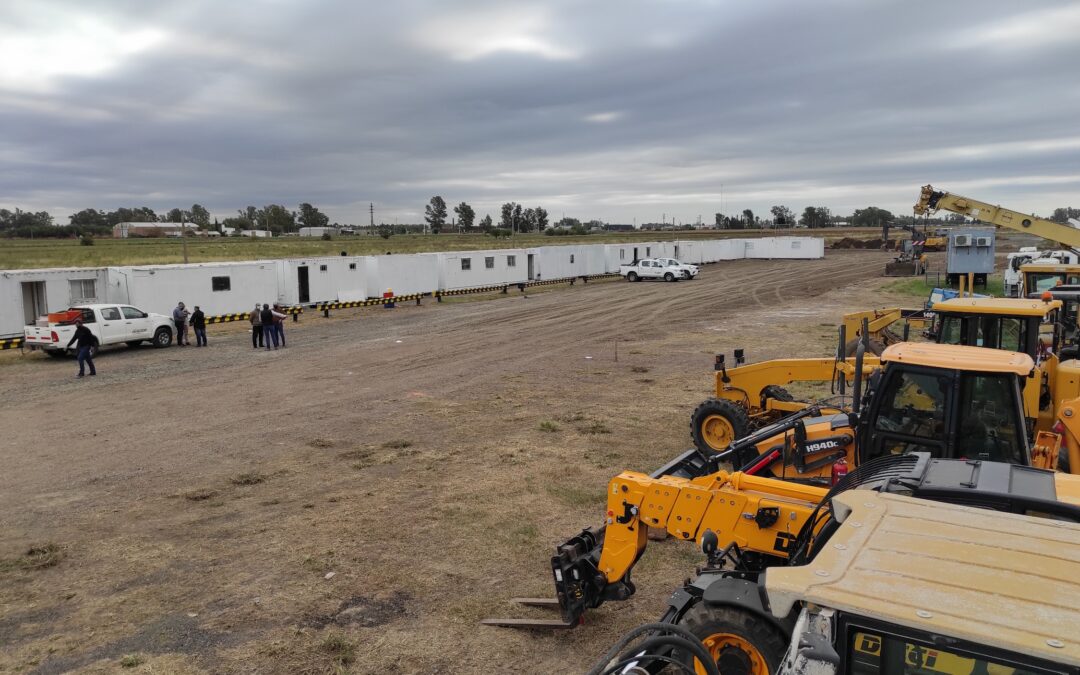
(931,200)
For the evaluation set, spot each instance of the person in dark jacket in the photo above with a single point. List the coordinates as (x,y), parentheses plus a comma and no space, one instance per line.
(86,341)
(198,324)
(267,317)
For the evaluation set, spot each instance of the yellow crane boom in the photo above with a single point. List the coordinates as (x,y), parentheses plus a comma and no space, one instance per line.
(931,200)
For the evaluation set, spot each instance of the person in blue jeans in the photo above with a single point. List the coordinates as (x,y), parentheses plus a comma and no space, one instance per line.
(198,324)
(267,318)
(85,344)
(279,324)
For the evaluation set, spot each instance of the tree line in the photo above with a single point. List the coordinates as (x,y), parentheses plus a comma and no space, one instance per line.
(512,218)
(274,217)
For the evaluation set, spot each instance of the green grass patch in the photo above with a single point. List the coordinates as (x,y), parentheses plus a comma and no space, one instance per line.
(549,426)
(920,287)
(131,661)
(340,648)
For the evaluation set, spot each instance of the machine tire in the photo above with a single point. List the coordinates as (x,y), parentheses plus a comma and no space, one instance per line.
(668,276)
(162,337)
(776,392)
(876,347)
(632,276)
(742,643)
(716,423)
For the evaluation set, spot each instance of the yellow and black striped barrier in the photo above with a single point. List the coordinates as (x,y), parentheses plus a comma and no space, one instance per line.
(244,316)
(11,343)
(370,302)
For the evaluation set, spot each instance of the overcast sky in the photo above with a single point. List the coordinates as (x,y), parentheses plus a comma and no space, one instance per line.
(616,110)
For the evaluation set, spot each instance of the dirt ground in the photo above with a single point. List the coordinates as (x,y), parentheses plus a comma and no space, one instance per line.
(358,501)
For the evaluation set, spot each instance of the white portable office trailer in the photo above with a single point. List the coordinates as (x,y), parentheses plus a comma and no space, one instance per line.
(310,280)
(805,248)
(26,295)
(217,288)
(475,269)
(402,274)
(565,262)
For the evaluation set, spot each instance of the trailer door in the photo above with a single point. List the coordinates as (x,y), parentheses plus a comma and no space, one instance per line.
(34,303)
(302,284)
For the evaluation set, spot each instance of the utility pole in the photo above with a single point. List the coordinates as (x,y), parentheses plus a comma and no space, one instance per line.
(183,235)
(371,209)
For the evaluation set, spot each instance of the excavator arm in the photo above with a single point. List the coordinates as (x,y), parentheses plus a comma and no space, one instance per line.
(931,200)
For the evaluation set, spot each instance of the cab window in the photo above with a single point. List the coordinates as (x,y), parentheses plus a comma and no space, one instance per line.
(132,313)
(951,330)
(914,406)
(990,428)
(876,653)
(110,314)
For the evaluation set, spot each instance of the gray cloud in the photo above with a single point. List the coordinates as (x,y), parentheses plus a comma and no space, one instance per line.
(612,110)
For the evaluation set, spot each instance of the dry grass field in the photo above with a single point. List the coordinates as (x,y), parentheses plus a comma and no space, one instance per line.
(32,253)
(358,501)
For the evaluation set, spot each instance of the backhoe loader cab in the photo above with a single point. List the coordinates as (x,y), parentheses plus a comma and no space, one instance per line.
(952,401)
(1039,278)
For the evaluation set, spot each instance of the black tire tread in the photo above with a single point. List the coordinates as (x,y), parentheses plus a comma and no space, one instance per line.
(704,620)
(735,413)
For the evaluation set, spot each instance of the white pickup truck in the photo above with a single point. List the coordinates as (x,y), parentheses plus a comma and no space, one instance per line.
(668,269)
(111,324)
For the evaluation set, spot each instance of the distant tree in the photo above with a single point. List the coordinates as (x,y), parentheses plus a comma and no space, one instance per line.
(276,218)
(435,214)
(1062,215)
(141,214)
(568,223)
(90,218)
(385,231)
(312,217)
(200,216)
(251,213)
(465,215)
(21,220)
(238,223)
(508,219)
(816,216)
(177,216)
(871,216)
(541,216)
(720,220)
(748,217)
(519,218)
(782,216)
(528,220)
(485,223)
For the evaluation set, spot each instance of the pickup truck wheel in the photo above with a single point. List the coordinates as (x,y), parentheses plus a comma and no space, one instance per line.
(741,642)
(632,276)
(668,276)
(162,337)
(716,424)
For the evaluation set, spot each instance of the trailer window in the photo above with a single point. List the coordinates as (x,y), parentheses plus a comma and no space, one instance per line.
(83,290)
(511,261)
(571,258)
(322,268)
(489,262)
(220,283)
(873,653)
(352,266)
(622,254)
(466,263)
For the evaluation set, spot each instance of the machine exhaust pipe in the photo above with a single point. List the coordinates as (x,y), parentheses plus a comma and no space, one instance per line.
(860,352)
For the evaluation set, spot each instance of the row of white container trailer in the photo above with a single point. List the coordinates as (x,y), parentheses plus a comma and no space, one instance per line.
(234,287)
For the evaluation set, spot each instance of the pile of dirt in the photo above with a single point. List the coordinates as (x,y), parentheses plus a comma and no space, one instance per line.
(849,242)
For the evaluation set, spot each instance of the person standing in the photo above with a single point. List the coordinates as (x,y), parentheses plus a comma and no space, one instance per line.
(267,317)
(255,317)
(279,325)
(86,343)
(198,324)
(180,320)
